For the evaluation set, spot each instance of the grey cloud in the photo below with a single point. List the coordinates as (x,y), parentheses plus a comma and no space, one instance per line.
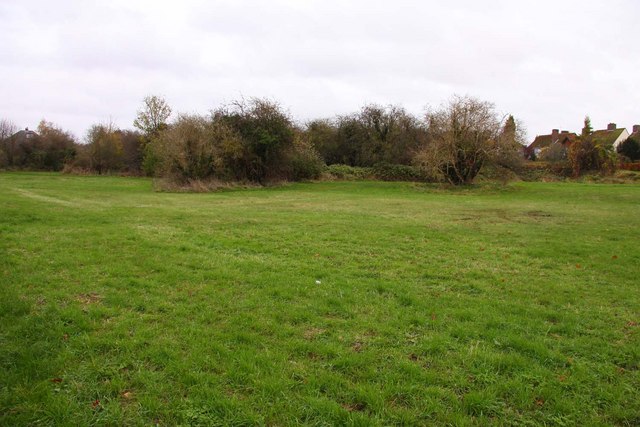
(547,62)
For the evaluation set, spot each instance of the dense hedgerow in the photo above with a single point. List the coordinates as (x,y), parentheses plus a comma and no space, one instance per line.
(349,173)
(49,148)
(630,149)
(389,172)
(257,141)
(253,141)
(304,160)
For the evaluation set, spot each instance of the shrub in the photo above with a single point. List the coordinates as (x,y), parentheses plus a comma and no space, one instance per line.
(4,162)
(266,134)
(57,147)
(133,144)
(47,149)
(375,134)
(194,148)
(561,169)
(103,152)
(553,153)
(506,153)
(630,149)
(246,141)
(586,156)
(150,160)
(497,173)
(630,166)
(304,160)
(349,173)
(630,175)
(390,172)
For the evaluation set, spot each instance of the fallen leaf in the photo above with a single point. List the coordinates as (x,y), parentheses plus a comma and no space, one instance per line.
(95,404)
(614,257)
(127,395)
(56,380)
(65,337)
(578,266)
(539,401)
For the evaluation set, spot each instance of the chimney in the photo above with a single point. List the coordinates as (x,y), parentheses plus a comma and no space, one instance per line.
(565,131)
(636,128)
(612,126)
(555,135)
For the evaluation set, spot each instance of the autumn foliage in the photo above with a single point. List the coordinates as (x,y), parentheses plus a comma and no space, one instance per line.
(256,140)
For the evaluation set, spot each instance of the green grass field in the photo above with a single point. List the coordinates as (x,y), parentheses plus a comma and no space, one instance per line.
(490,305)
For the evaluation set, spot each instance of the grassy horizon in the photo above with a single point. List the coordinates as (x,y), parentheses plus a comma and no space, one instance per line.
(515,305)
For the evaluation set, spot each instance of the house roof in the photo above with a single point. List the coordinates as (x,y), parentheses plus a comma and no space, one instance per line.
(605,136)
(543,141)
(21,135)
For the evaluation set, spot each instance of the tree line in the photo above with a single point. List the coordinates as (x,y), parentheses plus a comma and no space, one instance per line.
(257,140)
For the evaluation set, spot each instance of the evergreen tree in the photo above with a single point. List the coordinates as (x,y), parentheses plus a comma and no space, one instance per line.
(587,130)
(510,125)
(630,149)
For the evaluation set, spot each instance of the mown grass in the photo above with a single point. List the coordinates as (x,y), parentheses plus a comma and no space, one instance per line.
(490,305)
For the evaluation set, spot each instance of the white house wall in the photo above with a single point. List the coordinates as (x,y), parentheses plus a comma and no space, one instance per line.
(623,136)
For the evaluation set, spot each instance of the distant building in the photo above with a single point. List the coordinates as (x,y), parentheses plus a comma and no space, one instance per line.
(612,135)
(23,135)
(564,138)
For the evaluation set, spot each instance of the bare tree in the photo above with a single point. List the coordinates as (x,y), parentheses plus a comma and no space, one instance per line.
(463,135)
(152,118)
(7,129)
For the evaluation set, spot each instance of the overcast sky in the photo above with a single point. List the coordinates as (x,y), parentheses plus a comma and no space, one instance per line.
(549,63)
